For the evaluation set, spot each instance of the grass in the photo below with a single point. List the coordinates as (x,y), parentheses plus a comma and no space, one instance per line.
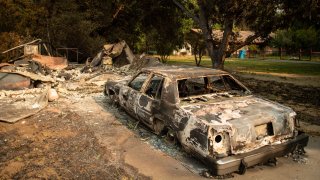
(255,66)
(287,57)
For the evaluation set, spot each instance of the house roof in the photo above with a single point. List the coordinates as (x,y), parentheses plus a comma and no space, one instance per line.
(239,36)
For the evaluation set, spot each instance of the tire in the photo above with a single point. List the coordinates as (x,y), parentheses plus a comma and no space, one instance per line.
(158,126)
(113,97)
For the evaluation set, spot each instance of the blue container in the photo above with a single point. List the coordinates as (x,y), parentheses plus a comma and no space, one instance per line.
(242,54)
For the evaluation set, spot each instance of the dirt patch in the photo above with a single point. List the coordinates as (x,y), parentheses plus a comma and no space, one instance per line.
(300,80)
(54,144)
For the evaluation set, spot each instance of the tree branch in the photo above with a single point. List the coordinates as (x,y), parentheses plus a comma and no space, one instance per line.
(249,40)
(188,13)
(228,25)
(120,8)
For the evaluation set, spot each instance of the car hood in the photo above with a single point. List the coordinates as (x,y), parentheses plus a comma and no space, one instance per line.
(247,118)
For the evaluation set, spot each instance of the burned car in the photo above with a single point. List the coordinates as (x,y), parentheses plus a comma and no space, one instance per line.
(211,114)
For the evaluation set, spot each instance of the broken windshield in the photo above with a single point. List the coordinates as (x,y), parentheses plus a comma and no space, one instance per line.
(208,85)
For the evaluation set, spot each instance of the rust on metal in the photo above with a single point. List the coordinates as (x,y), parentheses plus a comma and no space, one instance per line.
(55,63)
(4,65)
(11,81)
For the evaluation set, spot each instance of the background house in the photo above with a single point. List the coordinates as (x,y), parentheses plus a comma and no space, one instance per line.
(237,38)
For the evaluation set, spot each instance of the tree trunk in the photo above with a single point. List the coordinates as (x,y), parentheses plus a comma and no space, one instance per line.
(200,57)
(310,58)
(196,59)
(299,54)
(195,53)
(206,31)
(48,31)
(217,55)
(220,53)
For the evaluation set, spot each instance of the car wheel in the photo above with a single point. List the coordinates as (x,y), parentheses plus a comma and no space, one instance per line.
(243,167)
(113,97)
(171,137)
(158,126)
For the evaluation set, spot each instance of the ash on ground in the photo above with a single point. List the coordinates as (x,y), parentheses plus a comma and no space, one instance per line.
(298,155)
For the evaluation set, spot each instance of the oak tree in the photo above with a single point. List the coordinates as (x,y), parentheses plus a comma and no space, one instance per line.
(260,16)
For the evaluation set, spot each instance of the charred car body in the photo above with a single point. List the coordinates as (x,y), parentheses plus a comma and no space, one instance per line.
(211,114)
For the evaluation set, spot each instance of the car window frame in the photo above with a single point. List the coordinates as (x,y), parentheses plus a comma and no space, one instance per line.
(149,81)
(191,77)
(221,78)
(210,75)
(237,81)
(144,83)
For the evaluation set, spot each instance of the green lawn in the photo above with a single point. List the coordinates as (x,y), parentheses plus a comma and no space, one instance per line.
(252,65)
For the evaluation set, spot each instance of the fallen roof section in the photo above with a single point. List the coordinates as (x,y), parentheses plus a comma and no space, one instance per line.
(16,105)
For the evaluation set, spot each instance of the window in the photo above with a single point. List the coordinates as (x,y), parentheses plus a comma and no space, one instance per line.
(206,85)
(216,84)
(191,87)
(231,84)
(155,87)
(137,82)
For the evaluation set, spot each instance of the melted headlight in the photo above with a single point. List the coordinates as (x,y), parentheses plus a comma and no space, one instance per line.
(219,143)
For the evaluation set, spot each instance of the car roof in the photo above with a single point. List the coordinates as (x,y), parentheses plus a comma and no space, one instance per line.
(181,72)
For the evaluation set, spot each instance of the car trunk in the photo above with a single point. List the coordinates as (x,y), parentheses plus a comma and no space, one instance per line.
(254,122)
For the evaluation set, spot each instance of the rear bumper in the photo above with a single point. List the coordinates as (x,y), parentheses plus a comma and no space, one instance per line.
(233,163)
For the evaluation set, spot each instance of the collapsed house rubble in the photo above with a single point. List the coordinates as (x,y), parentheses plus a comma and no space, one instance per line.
(144,61)
(118,55)
(33,76)
(23,94)
(19,105)
(25,82)
(19,80)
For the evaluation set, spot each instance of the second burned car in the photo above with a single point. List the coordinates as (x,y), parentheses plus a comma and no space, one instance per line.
(211,114)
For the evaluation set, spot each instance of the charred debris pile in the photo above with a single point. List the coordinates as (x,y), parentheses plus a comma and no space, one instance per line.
(34,75)
(118,57)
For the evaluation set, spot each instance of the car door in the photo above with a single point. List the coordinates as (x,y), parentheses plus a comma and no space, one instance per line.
(149,101)
(129,94)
